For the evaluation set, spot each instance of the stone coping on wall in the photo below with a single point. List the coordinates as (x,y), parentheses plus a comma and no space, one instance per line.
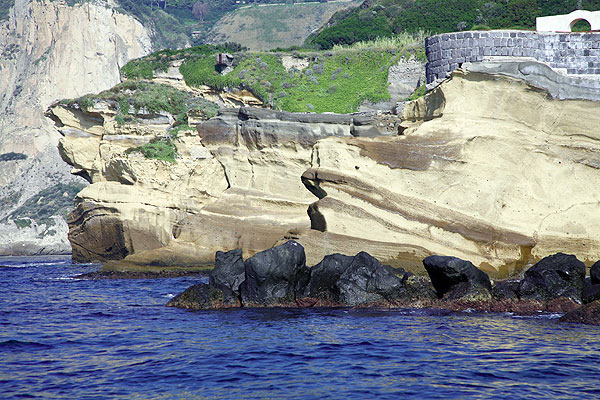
(569,53)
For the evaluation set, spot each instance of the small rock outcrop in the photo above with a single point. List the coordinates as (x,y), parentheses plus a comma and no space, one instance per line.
(279,277)
(363,280)
(455,279)
(274,276)
(587,314)
(557,276)
(204,297)
(229,271)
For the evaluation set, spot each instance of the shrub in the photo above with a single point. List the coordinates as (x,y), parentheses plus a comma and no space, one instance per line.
(158,148)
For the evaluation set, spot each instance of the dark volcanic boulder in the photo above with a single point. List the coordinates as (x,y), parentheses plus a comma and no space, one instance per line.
(506,290)
(366,280)
(362,279)
(204,297)
(274,276)
(586,314)
(229,271)
(590,291)
(324,277)
(559,275)
(416,289)
(595,273)
(455,279)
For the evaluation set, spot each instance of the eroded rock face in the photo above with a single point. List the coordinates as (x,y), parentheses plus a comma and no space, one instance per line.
(475,175)
(51,51)
(235,183)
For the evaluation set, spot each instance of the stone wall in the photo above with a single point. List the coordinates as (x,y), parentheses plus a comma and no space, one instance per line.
(575,53)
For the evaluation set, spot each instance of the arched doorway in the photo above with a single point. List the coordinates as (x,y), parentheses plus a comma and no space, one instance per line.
(580,25)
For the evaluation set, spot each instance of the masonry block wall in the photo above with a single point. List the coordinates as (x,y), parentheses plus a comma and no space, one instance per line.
(577,53)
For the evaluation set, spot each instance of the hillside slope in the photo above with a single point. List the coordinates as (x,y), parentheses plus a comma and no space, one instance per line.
(267,27)
(388,17)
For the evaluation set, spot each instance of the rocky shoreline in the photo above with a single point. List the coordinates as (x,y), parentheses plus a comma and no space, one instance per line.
(279,277)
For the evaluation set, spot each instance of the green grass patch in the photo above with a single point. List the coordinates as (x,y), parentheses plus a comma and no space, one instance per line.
(22,223)
(144,96)
(158,148)
(418,93)
(336,81)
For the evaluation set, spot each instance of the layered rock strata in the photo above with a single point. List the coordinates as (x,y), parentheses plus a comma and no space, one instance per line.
(487,167)
(490,168)
(50,51)
(235,183)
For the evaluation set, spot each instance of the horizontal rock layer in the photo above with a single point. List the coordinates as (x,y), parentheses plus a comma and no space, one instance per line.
(236,182)
(489,168)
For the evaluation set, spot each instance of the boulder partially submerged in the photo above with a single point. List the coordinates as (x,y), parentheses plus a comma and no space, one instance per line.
(279,277)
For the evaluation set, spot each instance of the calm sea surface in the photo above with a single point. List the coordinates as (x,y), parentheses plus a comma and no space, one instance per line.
(113,339)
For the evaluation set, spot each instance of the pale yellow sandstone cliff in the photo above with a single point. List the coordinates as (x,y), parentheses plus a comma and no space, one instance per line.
(489,169)
(500,174)
(50,51)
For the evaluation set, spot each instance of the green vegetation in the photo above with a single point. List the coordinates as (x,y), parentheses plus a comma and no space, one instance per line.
(334,81)
(419,92)
(143,96)
(55,200)
(22,223)
(159,149)
(386,18)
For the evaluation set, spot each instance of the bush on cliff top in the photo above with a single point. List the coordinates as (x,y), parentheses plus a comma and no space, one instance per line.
(334,81)
(148,96)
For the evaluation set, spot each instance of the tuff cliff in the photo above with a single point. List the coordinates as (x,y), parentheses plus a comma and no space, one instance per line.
(488,167)
(234,183)
(48,51)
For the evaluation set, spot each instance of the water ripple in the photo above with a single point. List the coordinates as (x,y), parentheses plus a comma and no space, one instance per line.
(115,339)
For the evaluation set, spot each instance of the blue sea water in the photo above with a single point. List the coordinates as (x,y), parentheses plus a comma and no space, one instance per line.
(62,337)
